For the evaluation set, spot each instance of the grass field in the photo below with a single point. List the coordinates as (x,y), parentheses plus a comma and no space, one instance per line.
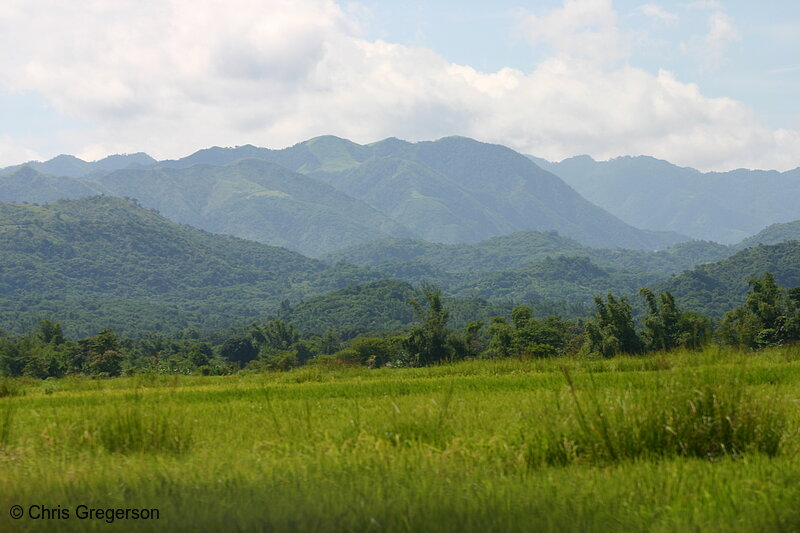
(671,442)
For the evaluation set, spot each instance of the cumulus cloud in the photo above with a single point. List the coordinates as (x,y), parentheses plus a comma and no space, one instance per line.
(172,77)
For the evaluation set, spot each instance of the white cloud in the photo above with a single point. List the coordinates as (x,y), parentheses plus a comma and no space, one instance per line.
(581,28)
(172,77)
(658,12)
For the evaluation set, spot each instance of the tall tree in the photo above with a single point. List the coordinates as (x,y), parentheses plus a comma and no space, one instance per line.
(426,342)
(612,331)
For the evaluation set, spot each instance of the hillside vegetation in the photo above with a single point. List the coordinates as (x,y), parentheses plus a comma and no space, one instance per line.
(329,193)
(104,260)
(715,288)
(774,234)
(509,252)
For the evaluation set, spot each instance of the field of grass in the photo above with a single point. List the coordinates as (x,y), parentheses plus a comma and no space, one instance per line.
(671,442)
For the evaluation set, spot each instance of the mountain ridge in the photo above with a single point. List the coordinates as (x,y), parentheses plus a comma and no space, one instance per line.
(451,190)
(651,193)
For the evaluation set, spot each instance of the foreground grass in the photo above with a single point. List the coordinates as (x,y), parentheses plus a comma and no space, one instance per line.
(684,441)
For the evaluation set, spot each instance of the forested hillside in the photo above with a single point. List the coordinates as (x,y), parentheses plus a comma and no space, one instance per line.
(104,261)
(718,287)
(256,200)
(509,252)
(328,193)
(789,231)
(460,190)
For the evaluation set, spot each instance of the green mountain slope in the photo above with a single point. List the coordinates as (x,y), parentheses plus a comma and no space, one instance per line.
(789,231)
(24,184)
(654,194)
(71,166)
(572,282)
(106,262)
(513,251)
(477,190)
(256,200)
(451,190)
(251,198)
(718,287)
(429,203)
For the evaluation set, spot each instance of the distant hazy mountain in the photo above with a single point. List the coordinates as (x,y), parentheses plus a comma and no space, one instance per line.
(452,190)
(24,184)
(341,193)
(71,166)
(251,198)
(715,288)
(257,200)
(654,194)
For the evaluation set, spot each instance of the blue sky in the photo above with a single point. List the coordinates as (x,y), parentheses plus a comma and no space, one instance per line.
(710,83)
(762,68)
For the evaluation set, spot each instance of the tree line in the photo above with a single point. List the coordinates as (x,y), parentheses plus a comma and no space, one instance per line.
(770,316)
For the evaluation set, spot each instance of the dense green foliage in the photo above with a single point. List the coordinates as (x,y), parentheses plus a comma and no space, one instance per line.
(667,328)
(103,262)
(716,288)
(770,317)
(510,252)
(107,262)
(774,234)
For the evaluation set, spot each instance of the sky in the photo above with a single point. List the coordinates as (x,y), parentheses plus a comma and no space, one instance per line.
(711,84)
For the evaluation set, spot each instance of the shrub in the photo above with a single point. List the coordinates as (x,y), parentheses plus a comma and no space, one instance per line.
(699,416)
(6,420)
(8,387)
(135,429)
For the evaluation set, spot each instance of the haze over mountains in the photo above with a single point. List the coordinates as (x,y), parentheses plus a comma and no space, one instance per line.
(455,190)
(328,193)
(649,193)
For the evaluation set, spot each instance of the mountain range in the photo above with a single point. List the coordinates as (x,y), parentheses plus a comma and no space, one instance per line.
(328,193)
(653,194)
(227,235)
(455,190)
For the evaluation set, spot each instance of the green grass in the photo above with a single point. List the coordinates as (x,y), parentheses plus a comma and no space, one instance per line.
(672,442)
